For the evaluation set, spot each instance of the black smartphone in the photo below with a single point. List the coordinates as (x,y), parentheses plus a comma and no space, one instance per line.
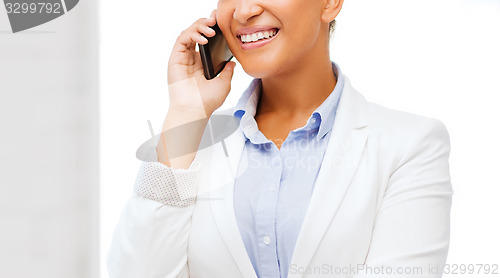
(215,54)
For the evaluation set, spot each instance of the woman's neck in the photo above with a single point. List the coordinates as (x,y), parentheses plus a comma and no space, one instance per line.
(298,92)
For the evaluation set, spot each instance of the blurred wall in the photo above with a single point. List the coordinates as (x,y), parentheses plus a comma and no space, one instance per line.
(49,147)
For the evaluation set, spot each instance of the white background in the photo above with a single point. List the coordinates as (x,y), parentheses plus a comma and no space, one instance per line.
(437,58)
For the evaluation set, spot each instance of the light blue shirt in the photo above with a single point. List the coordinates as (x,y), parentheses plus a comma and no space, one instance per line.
(272,193)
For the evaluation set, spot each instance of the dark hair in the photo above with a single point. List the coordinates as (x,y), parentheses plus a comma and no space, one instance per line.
(332,27)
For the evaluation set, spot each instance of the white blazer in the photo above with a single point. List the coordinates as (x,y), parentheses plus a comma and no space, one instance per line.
(381,204)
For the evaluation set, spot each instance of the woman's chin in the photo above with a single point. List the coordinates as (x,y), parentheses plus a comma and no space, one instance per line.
(258,70)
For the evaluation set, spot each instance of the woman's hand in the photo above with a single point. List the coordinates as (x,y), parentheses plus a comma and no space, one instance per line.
(189,90)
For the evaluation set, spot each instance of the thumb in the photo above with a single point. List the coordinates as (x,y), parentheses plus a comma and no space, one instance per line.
(227,73)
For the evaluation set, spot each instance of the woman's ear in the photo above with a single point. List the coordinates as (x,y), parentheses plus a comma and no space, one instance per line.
(331,9)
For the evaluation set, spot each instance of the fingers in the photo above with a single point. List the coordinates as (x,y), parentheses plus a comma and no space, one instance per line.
(227,73)
(205,30)
(194,34)
(200,28)
(212,15)
(184,49)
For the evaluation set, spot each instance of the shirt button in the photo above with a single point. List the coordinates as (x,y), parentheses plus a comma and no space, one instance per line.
(313,120)
(267,240)
(271,189)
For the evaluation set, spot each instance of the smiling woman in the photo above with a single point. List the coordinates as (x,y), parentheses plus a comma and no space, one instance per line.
(313,176)
(302,37)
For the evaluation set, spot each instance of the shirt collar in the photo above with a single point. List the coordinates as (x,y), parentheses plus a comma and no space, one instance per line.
(322,117)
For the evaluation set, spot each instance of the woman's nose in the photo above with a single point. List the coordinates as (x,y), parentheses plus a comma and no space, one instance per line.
(246,9)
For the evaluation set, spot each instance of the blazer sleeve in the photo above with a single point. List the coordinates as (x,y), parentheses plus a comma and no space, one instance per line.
(412,228)
(152,235)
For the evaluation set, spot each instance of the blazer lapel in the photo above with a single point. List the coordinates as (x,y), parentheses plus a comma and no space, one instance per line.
(222,178)
(341,159)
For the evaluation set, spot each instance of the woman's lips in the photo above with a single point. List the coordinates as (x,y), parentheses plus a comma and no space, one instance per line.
(257,44)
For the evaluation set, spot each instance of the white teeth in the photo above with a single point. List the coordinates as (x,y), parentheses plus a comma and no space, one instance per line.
(257,36)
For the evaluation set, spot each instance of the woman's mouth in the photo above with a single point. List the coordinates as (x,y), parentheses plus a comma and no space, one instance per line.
(257,39)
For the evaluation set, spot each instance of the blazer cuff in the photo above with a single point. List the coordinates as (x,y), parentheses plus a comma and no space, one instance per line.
(169,186)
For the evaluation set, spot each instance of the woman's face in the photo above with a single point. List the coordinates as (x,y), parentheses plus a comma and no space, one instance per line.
(298,24)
